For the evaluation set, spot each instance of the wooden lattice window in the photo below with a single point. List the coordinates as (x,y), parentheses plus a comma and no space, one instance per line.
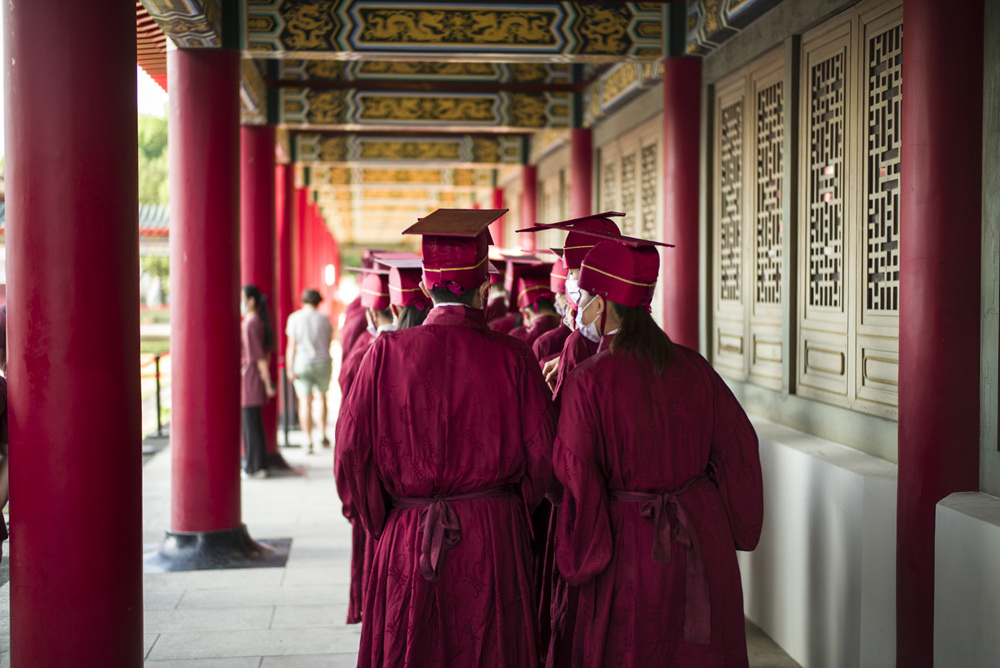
(769,166)
(632,162)
(628,193)
(650,186)
(885,83)
(731,191)
(827,80)
(749,143)
(850,103)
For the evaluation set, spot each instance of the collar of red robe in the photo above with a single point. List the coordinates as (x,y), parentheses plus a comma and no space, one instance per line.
(461,316)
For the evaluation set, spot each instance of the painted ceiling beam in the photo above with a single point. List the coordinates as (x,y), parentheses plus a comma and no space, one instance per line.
(454,150)
(557,32)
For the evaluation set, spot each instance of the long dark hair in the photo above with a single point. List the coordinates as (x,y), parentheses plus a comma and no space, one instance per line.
(263,312)
(411,316)
(640,334)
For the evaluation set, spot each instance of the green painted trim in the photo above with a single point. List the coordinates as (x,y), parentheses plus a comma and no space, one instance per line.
(675,29)
(232,24)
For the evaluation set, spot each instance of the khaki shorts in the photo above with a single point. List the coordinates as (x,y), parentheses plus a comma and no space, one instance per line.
(312,375)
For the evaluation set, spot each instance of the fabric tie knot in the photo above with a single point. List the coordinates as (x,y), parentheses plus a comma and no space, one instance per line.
(672,524)
(440,526)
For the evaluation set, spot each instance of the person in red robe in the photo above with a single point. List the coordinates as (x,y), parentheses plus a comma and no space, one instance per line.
(537,305)
(496,306)
(445,444)
(551,342)
(576,348)
(375,302)
(662,484)
(354,327)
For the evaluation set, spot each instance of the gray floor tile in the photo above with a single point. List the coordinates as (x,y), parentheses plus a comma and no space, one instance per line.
(304,616)
(226,619)
(242,662)
(263,596)
(313,661)
(271,642)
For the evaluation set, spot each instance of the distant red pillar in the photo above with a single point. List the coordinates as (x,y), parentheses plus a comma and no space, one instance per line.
(73,334)
(681,130)
(284,206)
(497,227)
(580,165)
(529,205)
(300,225)
(204,288)
(284,180)
(940,214)
(257,246)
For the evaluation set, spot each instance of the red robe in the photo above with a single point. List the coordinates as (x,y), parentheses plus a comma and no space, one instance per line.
(625,430)
(504,323)
(540,325)
(418,426)
(360,541)
(352,362)
(496,308)
(577,349)
(551,342)
(355,323)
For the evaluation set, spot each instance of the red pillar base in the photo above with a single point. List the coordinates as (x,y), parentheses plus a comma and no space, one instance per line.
(215,550)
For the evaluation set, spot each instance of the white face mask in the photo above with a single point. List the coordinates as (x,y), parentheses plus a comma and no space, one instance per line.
(588,331)
(573,290)
(560,309)
(391,327)
(372,330)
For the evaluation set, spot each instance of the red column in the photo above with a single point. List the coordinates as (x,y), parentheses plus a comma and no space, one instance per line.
(940,214)
(681,123)
(529,202)
(300,227)
(73,335)
(496,228)
(580,165)
(204,288)
(286,301)
(257,251)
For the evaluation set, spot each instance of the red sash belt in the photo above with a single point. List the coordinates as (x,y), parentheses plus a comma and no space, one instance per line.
(672,523)
(440,524)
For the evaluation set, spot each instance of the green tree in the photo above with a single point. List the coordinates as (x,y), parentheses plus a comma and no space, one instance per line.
(153,160)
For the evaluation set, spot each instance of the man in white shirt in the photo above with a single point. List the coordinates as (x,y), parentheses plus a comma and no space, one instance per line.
(307,361)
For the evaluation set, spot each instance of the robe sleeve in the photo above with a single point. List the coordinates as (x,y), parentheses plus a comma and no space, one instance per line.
(584,543)
(357,470)
(538,428)
(736,460)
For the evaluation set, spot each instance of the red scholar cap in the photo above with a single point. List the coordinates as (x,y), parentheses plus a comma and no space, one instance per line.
(404,283)
(380,258)
(622,269)
(455,246)
(531,288)
(368,257)
(375,289)
(523,266)
(577,246)
(557,279)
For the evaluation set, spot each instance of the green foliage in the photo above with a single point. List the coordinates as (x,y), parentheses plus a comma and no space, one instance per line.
(158,266)
(153,186)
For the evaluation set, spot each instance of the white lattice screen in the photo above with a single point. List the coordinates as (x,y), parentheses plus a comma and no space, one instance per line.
(845,265)
(630,180)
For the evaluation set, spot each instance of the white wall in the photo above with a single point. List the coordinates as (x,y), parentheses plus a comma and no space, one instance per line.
(822,580)
(967,581)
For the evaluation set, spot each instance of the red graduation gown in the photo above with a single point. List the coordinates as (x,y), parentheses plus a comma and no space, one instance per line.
(539,326)
(496,308)
(622,427)
(577,349)
(504,323)
(355,323)
(419,423)
(551,342)
(360,542)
